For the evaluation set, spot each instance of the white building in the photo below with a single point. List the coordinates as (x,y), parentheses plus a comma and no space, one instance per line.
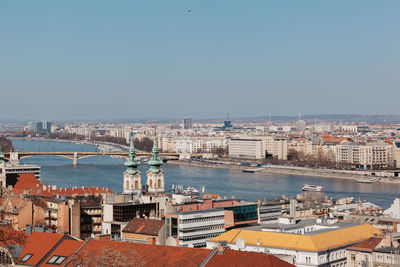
(309,245)
(246,148)
(394,210)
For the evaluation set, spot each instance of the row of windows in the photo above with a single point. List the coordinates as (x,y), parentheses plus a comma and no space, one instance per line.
(197,237)
(203,228)
(262,211)
(205,219)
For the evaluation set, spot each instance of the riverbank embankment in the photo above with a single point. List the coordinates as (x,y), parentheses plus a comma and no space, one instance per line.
(292,170)
(81,142)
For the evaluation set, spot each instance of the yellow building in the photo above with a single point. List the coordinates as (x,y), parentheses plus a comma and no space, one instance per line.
(323,247)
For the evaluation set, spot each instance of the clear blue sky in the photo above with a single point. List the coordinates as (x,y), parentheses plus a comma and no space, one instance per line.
(134,59)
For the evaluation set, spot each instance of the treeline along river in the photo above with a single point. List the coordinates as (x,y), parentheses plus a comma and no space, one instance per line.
(105,171)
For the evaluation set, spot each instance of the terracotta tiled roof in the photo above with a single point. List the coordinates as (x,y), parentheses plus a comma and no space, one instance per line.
(144,226)
(38,244)
(331,139)
(66,249)
(27,182)
(44,246)
(153,255)
(367,245)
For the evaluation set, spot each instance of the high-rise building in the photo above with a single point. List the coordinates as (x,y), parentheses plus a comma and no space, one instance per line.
(36,126)
(40,126)
(187,123)
(46,126)
(227,123)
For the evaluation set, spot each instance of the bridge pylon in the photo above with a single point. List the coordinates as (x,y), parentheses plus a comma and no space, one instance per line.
(75,159)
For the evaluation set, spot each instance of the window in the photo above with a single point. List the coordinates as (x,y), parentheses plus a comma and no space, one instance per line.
(26,257)
(56,260)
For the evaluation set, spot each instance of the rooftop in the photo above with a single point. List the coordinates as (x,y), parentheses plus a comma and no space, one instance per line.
(144,226)
(314,242)
(366,245)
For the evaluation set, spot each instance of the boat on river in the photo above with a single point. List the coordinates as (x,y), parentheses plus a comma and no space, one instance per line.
(367,180)
(313,188)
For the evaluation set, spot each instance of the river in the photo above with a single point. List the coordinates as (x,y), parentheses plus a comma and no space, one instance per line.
(105,171)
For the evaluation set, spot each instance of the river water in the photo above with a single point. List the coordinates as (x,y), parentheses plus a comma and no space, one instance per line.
(105,171)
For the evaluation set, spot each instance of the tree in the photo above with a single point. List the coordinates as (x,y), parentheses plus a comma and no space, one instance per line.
(220,151)
(108,257)
(143,144)
(6,144)
(294,155)
(7,234)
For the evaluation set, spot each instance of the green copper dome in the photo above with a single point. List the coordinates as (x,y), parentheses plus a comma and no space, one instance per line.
(132,163)
(1,155)
(155,162)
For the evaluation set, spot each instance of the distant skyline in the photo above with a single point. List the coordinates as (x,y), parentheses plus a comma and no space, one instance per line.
(95,59)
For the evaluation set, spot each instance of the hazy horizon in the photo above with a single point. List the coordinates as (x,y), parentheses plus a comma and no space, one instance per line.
(96,59)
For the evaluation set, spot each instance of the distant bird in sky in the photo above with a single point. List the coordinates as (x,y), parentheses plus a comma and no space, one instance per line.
(189,10)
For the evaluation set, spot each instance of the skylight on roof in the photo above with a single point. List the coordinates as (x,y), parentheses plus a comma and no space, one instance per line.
(56,260)
(26,257)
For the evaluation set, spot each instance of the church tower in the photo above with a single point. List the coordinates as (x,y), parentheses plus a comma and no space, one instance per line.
(155,175)
(3,181)
(132,176)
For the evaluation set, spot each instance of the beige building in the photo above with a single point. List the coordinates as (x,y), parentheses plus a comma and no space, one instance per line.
(20,212)
(368,156)
(361,254)
(147,231)
(301,145)
(246,148)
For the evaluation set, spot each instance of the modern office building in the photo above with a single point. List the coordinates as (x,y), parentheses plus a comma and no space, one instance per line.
(194,228)
(40,126)
(187,123)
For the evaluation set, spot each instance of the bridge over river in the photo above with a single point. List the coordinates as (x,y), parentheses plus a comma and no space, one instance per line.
(75,156)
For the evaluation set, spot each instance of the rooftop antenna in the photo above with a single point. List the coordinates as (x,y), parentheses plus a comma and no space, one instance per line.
(228,116)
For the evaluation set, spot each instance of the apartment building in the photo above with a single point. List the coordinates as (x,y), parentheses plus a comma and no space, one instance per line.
(365,156)
(192,144)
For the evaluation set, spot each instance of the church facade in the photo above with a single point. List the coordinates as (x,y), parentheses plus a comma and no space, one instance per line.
(132,179)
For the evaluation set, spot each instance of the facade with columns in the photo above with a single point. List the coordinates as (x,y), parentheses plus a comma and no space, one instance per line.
(132,183)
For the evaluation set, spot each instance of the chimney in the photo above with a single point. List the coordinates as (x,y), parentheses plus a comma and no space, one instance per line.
(28,229)
(223,245)
(293,204)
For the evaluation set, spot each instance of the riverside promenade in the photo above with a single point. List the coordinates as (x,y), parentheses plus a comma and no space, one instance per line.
(300,171)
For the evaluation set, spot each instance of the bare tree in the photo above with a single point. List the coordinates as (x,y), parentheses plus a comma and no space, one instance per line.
(108,257)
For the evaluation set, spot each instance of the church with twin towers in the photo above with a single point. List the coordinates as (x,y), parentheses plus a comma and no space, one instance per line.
(133,178)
